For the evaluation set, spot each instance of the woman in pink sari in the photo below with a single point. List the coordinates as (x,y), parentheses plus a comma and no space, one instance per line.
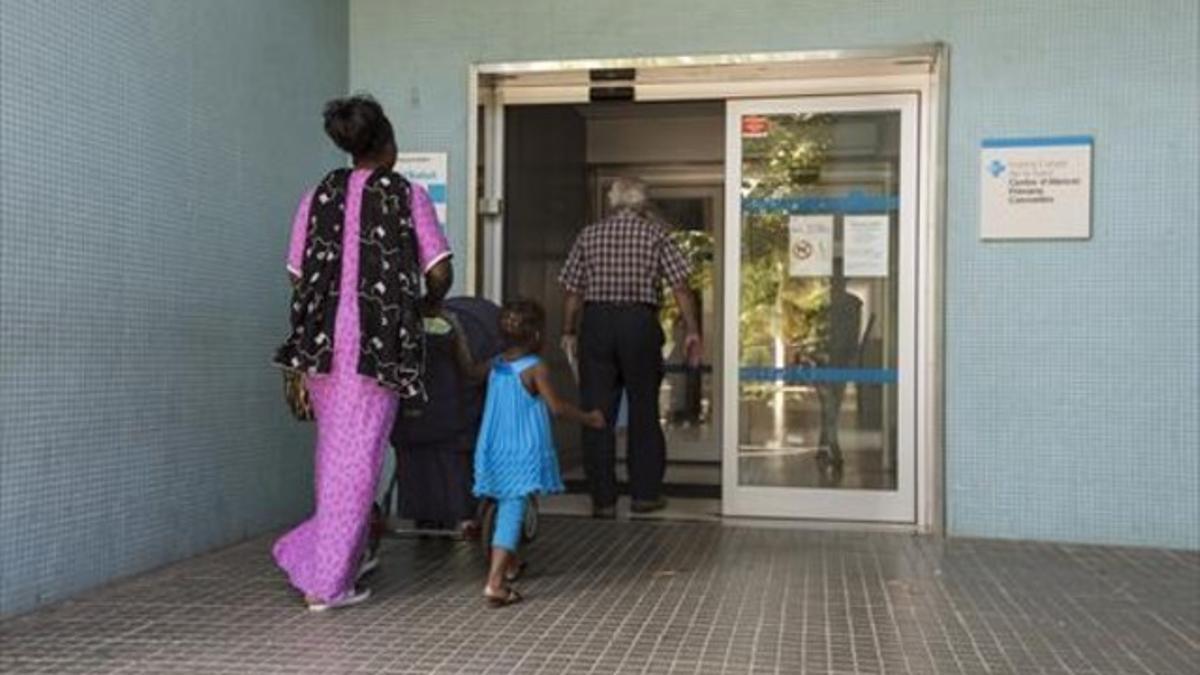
(361,242)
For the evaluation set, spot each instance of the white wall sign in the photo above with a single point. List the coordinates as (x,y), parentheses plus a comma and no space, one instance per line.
(427,169)
(810,246)
(865,247)
(1036,188)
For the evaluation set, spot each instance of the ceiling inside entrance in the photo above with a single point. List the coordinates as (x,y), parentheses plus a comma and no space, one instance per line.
(660,110)
(642,79)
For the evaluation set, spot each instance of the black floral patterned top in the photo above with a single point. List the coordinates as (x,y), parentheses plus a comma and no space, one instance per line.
(392,341)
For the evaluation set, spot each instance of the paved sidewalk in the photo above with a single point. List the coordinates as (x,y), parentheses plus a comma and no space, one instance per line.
(620,597)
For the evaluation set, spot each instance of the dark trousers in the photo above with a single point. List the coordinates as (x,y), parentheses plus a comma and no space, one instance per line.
(830,394)
(620,349)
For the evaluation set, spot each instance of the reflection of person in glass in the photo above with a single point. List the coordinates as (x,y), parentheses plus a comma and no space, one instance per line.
(836,347)
(685,388)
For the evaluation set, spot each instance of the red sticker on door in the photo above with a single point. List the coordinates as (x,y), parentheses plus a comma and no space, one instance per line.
(755,126)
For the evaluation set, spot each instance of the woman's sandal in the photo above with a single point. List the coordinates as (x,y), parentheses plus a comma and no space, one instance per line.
(510,597)
(515,573)
(352,597)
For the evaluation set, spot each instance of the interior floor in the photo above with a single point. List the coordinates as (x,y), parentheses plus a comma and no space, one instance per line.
(678,473)
(579,504)
(800,467)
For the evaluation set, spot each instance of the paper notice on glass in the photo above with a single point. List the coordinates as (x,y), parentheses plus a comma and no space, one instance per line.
(866,246)
(810,246)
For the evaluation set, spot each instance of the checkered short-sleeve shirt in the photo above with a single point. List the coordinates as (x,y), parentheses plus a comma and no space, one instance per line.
(624,259)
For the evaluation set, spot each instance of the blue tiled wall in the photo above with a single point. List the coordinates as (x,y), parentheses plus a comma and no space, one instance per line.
(151,154)
(1073,384)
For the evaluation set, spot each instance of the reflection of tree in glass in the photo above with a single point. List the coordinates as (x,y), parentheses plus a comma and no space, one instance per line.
(790,155)
(785,163)
(698,247)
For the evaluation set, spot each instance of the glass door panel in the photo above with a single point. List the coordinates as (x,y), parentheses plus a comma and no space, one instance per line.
(687,399)
(821,198)
(690,204)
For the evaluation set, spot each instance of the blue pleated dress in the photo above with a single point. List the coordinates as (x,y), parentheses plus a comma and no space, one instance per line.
(515,454)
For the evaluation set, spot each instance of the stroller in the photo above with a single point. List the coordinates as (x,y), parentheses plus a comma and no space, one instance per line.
(434,441)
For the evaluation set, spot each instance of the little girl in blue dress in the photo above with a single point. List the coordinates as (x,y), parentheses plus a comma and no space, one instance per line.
(515,456)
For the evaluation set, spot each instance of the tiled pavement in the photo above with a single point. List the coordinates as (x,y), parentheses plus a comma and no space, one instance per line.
(617,597)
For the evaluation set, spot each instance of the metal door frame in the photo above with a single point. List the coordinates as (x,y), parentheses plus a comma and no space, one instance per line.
(485,210)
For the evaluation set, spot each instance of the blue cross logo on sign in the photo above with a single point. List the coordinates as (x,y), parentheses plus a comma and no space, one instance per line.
(996,168)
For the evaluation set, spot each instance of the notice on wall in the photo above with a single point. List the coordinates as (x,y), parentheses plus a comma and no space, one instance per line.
(427,169)
(810,246)
(1036,188)
(865,246)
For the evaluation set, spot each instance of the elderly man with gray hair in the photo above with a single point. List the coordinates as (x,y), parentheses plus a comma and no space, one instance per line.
(613,281)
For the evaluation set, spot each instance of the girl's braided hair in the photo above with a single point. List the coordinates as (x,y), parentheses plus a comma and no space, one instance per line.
(521,324)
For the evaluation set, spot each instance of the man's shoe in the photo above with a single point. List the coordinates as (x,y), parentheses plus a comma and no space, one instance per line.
(642,507)
(604,512)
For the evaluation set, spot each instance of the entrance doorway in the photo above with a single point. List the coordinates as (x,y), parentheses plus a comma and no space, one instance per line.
(804,192)
(559,162)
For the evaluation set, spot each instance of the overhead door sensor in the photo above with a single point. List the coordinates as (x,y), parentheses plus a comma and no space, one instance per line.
(613,75)
(610,94)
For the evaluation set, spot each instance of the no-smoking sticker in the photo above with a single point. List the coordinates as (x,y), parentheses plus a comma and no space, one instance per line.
(810,246)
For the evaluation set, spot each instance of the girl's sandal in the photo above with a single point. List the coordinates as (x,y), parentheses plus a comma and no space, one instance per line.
(510,597)
(469,531)
(515,573)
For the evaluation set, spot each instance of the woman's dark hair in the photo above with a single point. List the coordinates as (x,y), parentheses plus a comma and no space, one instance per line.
(358,125)
(522,323)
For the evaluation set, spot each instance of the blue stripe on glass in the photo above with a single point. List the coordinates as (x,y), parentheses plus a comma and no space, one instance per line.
(820,375)
(1045,142)
(681,368)
(853,203)
(437,193)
